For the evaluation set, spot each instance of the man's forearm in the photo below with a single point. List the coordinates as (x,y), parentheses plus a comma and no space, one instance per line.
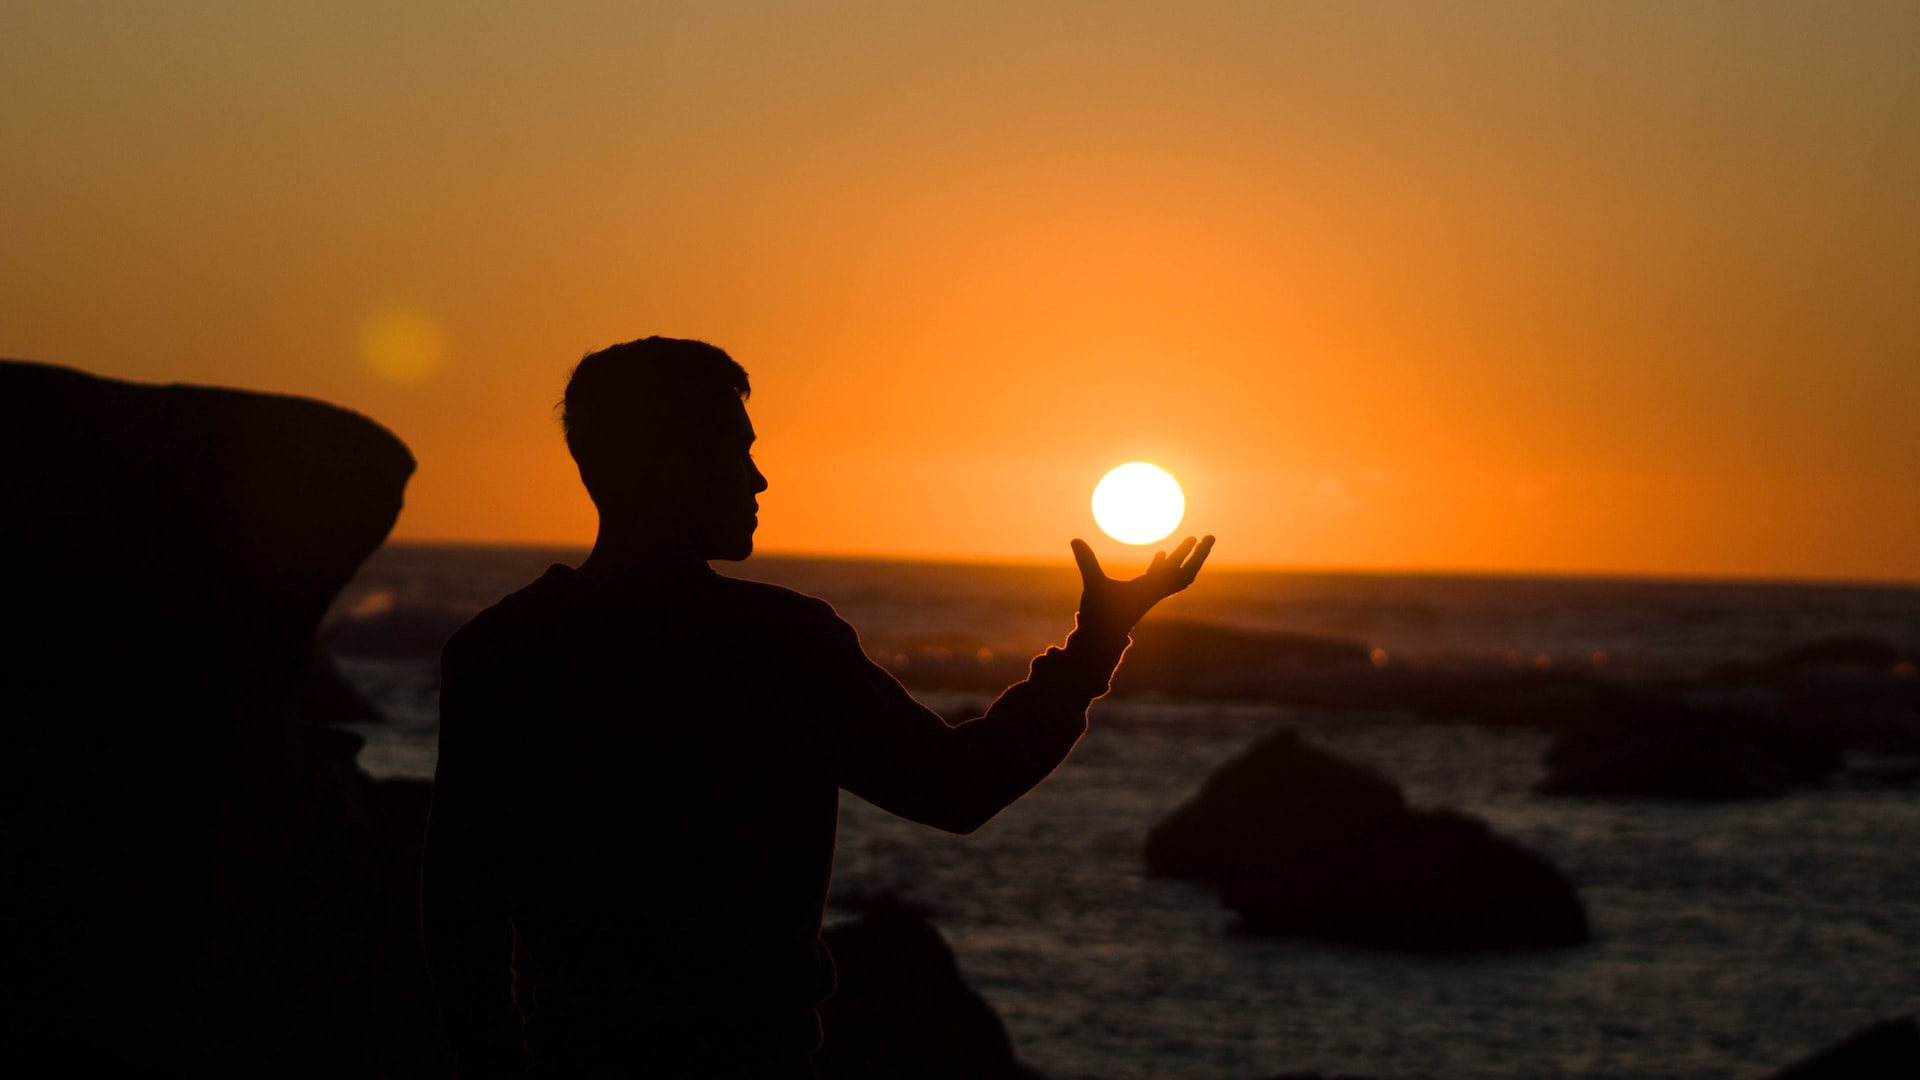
(470,959)
(901,757)
(469,946)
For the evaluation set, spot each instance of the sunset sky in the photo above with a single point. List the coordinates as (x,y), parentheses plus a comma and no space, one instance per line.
(1598,288)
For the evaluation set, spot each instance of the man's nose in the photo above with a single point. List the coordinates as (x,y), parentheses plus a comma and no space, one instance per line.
(759,480)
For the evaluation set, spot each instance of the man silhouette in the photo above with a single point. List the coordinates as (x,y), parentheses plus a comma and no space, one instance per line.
(641,760)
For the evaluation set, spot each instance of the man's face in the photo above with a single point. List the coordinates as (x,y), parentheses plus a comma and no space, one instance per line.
(721,504)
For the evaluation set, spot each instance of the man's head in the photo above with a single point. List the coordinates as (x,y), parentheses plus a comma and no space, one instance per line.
(659,429)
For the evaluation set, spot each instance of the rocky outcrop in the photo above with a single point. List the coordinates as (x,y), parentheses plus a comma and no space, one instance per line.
(902,1011)
(205,881)
(1889,1050)
(1433,883)
(1189,658)
(1302,844)
(1646,746)
(1280,802)
(1847,654)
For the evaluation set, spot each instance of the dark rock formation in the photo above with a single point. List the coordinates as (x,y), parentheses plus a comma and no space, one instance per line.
(1889,1050)
(1280,802)
(902,1011)
(1300,843)
(204,883)
(1860,654)
(1654,747)
(409,631)
(1187,658)
(1433,883)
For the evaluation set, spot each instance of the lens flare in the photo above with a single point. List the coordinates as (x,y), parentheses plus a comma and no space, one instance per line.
(402,345)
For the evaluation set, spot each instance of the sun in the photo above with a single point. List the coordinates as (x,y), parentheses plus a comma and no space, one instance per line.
(1138,503)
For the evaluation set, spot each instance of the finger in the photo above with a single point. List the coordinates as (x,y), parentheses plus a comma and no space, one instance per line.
(1154,566)
(1200,553)
(1167,567)
(1179,555)
(1089,565)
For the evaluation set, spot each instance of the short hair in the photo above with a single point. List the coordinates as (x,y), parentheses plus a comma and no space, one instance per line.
(663,394)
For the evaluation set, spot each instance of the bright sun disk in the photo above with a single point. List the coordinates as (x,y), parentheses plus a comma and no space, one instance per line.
(1138,503)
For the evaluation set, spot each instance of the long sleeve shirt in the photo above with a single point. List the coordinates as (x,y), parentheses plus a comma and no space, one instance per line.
(642,783)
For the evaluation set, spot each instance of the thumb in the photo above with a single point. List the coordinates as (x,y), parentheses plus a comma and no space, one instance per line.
(1089,565)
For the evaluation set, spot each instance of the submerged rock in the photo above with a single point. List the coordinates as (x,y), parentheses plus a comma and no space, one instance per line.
(203,879)
(902,1011)
(1300,843)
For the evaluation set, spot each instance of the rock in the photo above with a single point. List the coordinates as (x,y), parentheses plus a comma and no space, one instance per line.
(1645,746)
(1662,765)
(902,1011)
(1188,658)
(413,631)
(1302,844)
(325,696)
(1889,1050)
(1281,801)
(203,876)
(1193,659)
(1865,654)
(881,901)
(1433,883)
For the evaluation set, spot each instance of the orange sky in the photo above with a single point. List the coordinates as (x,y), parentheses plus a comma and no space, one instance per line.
(1620,288)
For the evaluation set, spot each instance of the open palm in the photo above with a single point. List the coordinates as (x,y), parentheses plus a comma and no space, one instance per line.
(1117,605)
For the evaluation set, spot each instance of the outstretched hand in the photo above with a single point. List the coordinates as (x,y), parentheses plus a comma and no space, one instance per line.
(1114,606)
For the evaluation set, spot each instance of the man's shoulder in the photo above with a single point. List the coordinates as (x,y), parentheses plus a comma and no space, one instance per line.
(777,601)
(560,604)
(521,619)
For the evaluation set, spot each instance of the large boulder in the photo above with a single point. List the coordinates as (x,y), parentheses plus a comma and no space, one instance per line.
(202,879)
(1302,844)
(1433,883)
(902,1011)
(1279,802)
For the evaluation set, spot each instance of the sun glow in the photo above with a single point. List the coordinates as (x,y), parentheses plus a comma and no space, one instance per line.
(402,345)
(1138,503)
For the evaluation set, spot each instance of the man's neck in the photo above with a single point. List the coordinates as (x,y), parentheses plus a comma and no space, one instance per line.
(621,554)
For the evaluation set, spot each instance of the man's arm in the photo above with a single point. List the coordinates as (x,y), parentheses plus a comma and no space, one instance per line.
(465,902)
(901,756)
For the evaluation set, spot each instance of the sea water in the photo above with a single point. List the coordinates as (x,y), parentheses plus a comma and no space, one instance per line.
(1730,938)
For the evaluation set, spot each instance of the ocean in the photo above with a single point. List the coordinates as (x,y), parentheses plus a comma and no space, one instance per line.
(1731,938)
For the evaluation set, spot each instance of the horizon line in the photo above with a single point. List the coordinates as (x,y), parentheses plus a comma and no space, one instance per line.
(1233,567)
